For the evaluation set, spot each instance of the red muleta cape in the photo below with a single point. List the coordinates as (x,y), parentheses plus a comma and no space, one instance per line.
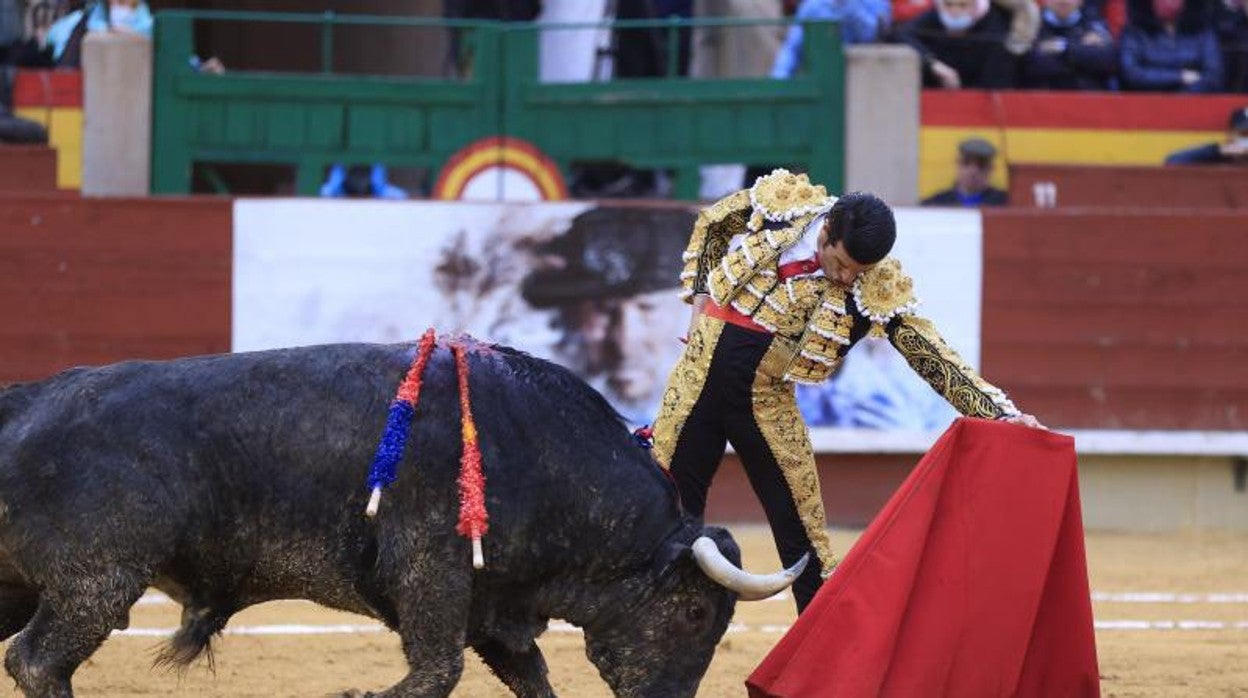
(972,581)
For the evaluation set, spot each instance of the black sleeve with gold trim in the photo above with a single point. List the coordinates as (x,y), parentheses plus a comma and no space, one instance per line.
(708,244)
(938,364)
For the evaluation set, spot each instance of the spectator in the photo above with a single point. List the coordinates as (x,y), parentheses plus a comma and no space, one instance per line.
(906,10)
(11,24)
(643,52)
(1112,12)
(65,35)
(1075,51)
(862,22)
(1230,22)
(1023,26)
(360,182)
(962,44)
(746,51)
(1169,46)
(212,66)
(1232,151)
(971,188)
(14,129)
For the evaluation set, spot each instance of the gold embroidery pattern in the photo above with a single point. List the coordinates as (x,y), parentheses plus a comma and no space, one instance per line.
(826,334)
(684,385)
(884,292)
(715,226)
(782,196)
(756,256)
(777,310)
(777,416)
(716,248)
(807,307)
(946,371)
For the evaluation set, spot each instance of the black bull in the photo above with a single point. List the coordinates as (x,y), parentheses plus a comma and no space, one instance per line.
(231,480)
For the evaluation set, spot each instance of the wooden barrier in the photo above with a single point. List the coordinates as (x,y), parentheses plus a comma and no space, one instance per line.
(1119,318)
(27,168)
(93,281)
(1209,186)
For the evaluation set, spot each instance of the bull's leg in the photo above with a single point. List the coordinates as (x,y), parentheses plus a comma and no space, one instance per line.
(432,603)
(67,628)
(524,672)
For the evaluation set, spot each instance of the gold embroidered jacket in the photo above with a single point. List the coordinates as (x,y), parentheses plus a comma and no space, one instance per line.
(817,319)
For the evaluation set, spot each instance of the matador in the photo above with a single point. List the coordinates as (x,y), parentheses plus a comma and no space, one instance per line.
(784,280)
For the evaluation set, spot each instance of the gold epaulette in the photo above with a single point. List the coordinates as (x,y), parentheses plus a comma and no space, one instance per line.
(826,336)
(883,293)
(781,197)
(753,264)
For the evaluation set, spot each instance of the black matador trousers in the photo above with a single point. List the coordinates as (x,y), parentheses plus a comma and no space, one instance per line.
(726,389)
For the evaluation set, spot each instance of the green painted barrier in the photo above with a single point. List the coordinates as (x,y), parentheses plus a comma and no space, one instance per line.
(312,120)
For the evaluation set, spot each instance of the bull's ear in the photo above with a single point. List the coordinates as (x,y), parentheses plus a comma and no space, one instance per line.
(671,552)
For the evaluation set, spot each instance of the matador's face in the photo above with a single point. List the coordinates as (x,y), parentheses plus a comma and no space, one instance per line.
(836,262)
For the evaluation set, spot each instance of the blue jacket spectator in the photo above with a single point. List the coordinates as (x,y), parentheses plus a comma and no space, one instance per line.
(1232,151)
(862,22)
(117,15)
(1073,51)
(1169,46)
(360,182)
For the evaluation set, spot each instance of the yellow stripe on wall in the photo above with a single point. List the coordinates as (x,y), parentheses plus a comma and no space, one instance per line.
(938,149)
(64,126)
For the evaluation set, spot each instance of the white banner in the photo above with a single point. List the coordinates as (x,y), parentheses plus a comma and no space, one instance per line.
(591,288)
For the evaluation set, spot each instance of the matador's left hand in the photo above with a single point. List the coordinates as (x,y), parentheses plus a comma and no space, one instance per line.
(1026,420)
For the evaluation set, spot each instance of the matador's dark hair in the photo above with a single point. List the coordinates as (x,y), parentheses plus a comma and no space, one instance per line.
(866,225)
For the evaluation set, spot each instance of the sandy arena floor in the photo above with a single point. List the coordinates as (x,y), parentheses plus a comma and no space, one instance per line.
(1189,638)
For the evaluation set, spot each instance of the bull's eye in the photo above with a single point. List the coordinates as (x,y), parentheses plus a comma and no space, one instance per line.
(694,615)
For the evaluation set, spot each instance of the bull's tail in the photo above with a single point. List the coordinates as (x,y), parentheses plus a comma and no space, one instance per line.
(194,638)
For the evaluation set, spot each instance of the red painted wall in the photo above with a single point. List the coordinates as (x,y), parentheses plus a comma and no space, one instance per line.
(1205,186)
(1119,319)
(92,281)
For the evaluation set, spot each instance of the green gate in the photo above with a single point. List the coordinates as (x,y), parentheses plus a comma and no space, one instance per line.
(312,120)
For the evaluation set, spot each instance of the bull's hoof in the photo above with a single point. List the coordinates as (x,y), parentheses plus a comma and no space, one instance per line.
(356,693)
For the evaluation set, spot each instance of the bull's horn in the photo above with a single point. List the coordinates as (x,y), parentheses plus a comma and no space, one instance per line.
(749,587)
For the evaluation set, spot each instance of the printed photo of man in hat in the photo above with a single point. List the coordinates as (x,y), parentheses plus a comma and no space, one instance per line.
(613,280)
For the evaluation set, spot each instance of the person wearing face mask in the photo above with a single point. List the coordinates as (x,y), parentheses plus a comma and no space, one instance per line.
(1169,46)
(783,281)
(961,43)
(1074,50)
